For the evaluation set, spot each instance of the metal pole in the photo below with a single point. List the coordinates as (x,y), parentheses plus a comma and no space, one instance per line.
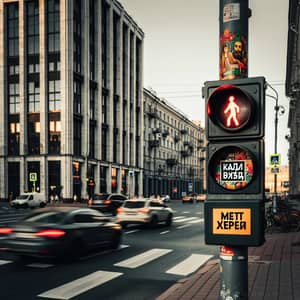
(276,108)
(233,21)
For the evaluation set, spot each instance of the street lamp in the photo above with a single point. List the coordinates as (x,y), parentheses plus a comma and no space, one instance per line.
(279,110)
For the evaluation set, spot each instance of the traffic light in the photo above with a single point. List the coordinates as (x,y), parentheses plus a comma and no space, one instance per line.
(235,116)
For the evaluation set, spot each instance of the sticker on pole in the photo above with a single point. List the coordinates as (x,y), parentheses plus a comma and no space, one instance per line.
(232,168)
(234,221)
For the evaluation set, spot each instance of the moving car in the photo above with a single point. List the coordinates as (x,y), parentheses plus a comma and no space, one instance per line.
(200,197)
(144,211)
(29,200)
(189,198)
(107,202)
(64,232)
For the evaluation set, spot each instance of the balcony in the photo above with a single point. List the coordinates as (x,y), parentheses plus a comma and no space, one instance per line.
(171,161)
(183,131)
(165,133)
(152,113)
(185,153)
(153,143)
(156,130)
(176,138)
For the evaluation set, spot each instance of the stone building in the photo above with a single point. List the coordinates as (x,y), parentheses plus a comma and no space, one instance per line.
(293,92)
(71,109)
(174,150)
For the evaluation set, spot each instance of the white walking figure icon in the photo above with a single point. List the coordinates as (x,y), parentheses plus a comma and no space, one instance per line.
(233,110)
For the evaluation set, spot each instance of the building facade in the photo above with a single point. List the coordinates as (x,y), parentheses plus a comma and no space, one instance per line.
(174,150)
(292,90)
(71,117)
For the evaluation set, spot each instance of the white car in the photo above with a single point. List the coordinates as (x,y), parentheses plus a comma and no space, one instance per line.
(29,200)
(144,211)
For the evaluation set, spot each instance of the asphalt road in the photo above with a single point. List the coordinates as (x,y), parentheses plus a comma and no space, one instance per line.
(148,262)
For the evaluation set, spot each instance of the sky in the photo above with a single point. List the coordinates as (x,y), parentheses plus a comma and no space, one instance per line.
(181,52)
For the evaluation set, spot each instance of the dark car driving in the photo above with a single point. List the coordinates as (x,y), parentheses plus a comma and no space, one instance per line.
(64,232)
(107,203)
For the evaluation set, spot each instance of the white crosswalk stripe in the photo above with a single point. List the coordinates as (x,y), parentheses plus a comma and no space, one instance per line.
(143,258)
(189,265)
(40,265)
(196,221)
(4,262)
(185,219)
(81,285)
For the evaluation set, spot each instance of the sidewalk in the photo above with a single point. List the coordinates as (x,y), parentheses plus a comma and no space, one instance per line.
(273,273)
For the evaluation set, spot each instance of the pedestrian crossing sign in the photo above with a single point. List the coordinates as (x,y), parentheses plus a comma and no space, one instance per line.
(275,159)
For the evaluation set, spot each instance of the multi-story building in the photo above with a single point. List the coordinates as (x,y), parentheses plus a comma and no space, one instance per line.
(173,148)
(71,116)
(293,92)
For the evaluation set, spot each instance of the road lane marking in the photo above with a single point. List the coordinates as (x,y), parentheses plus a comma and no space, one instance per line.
(186,219)
(143,258)
(183,226)
(4,262)
(164,232)
(189,265)
(132,231)
(196,221)
(186,212)
(81,285)
(39,265)
(179,217)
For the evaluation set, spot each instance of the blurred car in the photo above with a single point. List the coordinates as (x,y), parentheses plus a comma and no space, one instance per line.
(29,200)
(144,211)
(107,202)
(200,197)
(64,232)
(165,198)
(190,198)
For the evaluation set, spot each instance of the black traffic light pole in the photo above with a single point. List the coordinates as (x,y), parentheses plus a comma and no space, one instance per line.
(233,20)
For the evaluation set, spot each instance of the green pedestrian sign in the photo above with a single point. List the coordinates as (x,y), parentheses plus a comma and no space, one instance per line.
(33,177)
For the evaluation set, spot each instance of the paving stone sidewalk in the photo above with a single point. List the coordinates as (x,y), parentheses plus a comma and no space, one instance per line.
(273,273)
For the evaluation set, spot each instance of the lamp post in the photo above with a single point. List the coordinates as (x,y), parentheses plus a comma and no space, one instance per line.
(278,109)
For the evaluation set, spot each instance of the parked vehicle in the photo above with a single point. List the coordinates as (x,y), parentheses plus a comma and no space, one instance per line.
(200,197)
(144,211)
(107,202)
(190,198)
(66,232)
(29,200)
(165,198)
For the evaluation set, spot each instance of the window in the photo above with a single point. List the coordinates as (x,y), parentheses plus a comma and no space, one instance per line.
(33,96)
(53,30)
(77,136)
(77,36)
(77,97)
(13,29)
(32,27)
(14,98)
(54,95)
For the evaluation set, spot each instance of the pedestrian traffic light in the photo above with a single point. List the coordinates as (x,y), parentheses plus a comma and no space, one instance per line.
(235,108)
(235,116)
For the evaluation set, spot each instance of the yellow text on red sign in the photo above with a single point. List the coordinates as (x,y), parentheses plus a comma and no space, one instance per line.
(236,221)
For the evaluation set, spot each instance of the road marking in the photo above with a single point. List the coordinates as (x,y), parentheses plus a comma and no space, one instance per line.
(131,231)
(4,262)
(164,232)
(179,217)
(143,258)
(39,265)
(196,221)
(183,226)
(123,247)
(186,212)
(81,285)
(189,265)
(186,219)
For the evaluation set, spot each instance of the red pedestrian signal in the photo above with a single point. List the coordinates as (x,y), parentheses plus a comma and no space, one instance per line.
(235,106)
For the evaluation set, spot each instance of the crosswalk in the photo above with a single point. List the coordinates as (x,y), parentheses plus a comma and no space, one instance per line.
(68,290)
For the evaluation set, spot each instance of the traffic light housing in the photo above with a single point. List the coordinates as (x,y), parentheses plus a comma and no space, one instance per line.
(235,116)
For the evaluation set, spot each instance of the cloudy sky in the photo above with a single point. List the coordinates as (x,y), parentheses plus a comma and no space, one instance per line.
(181,53)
